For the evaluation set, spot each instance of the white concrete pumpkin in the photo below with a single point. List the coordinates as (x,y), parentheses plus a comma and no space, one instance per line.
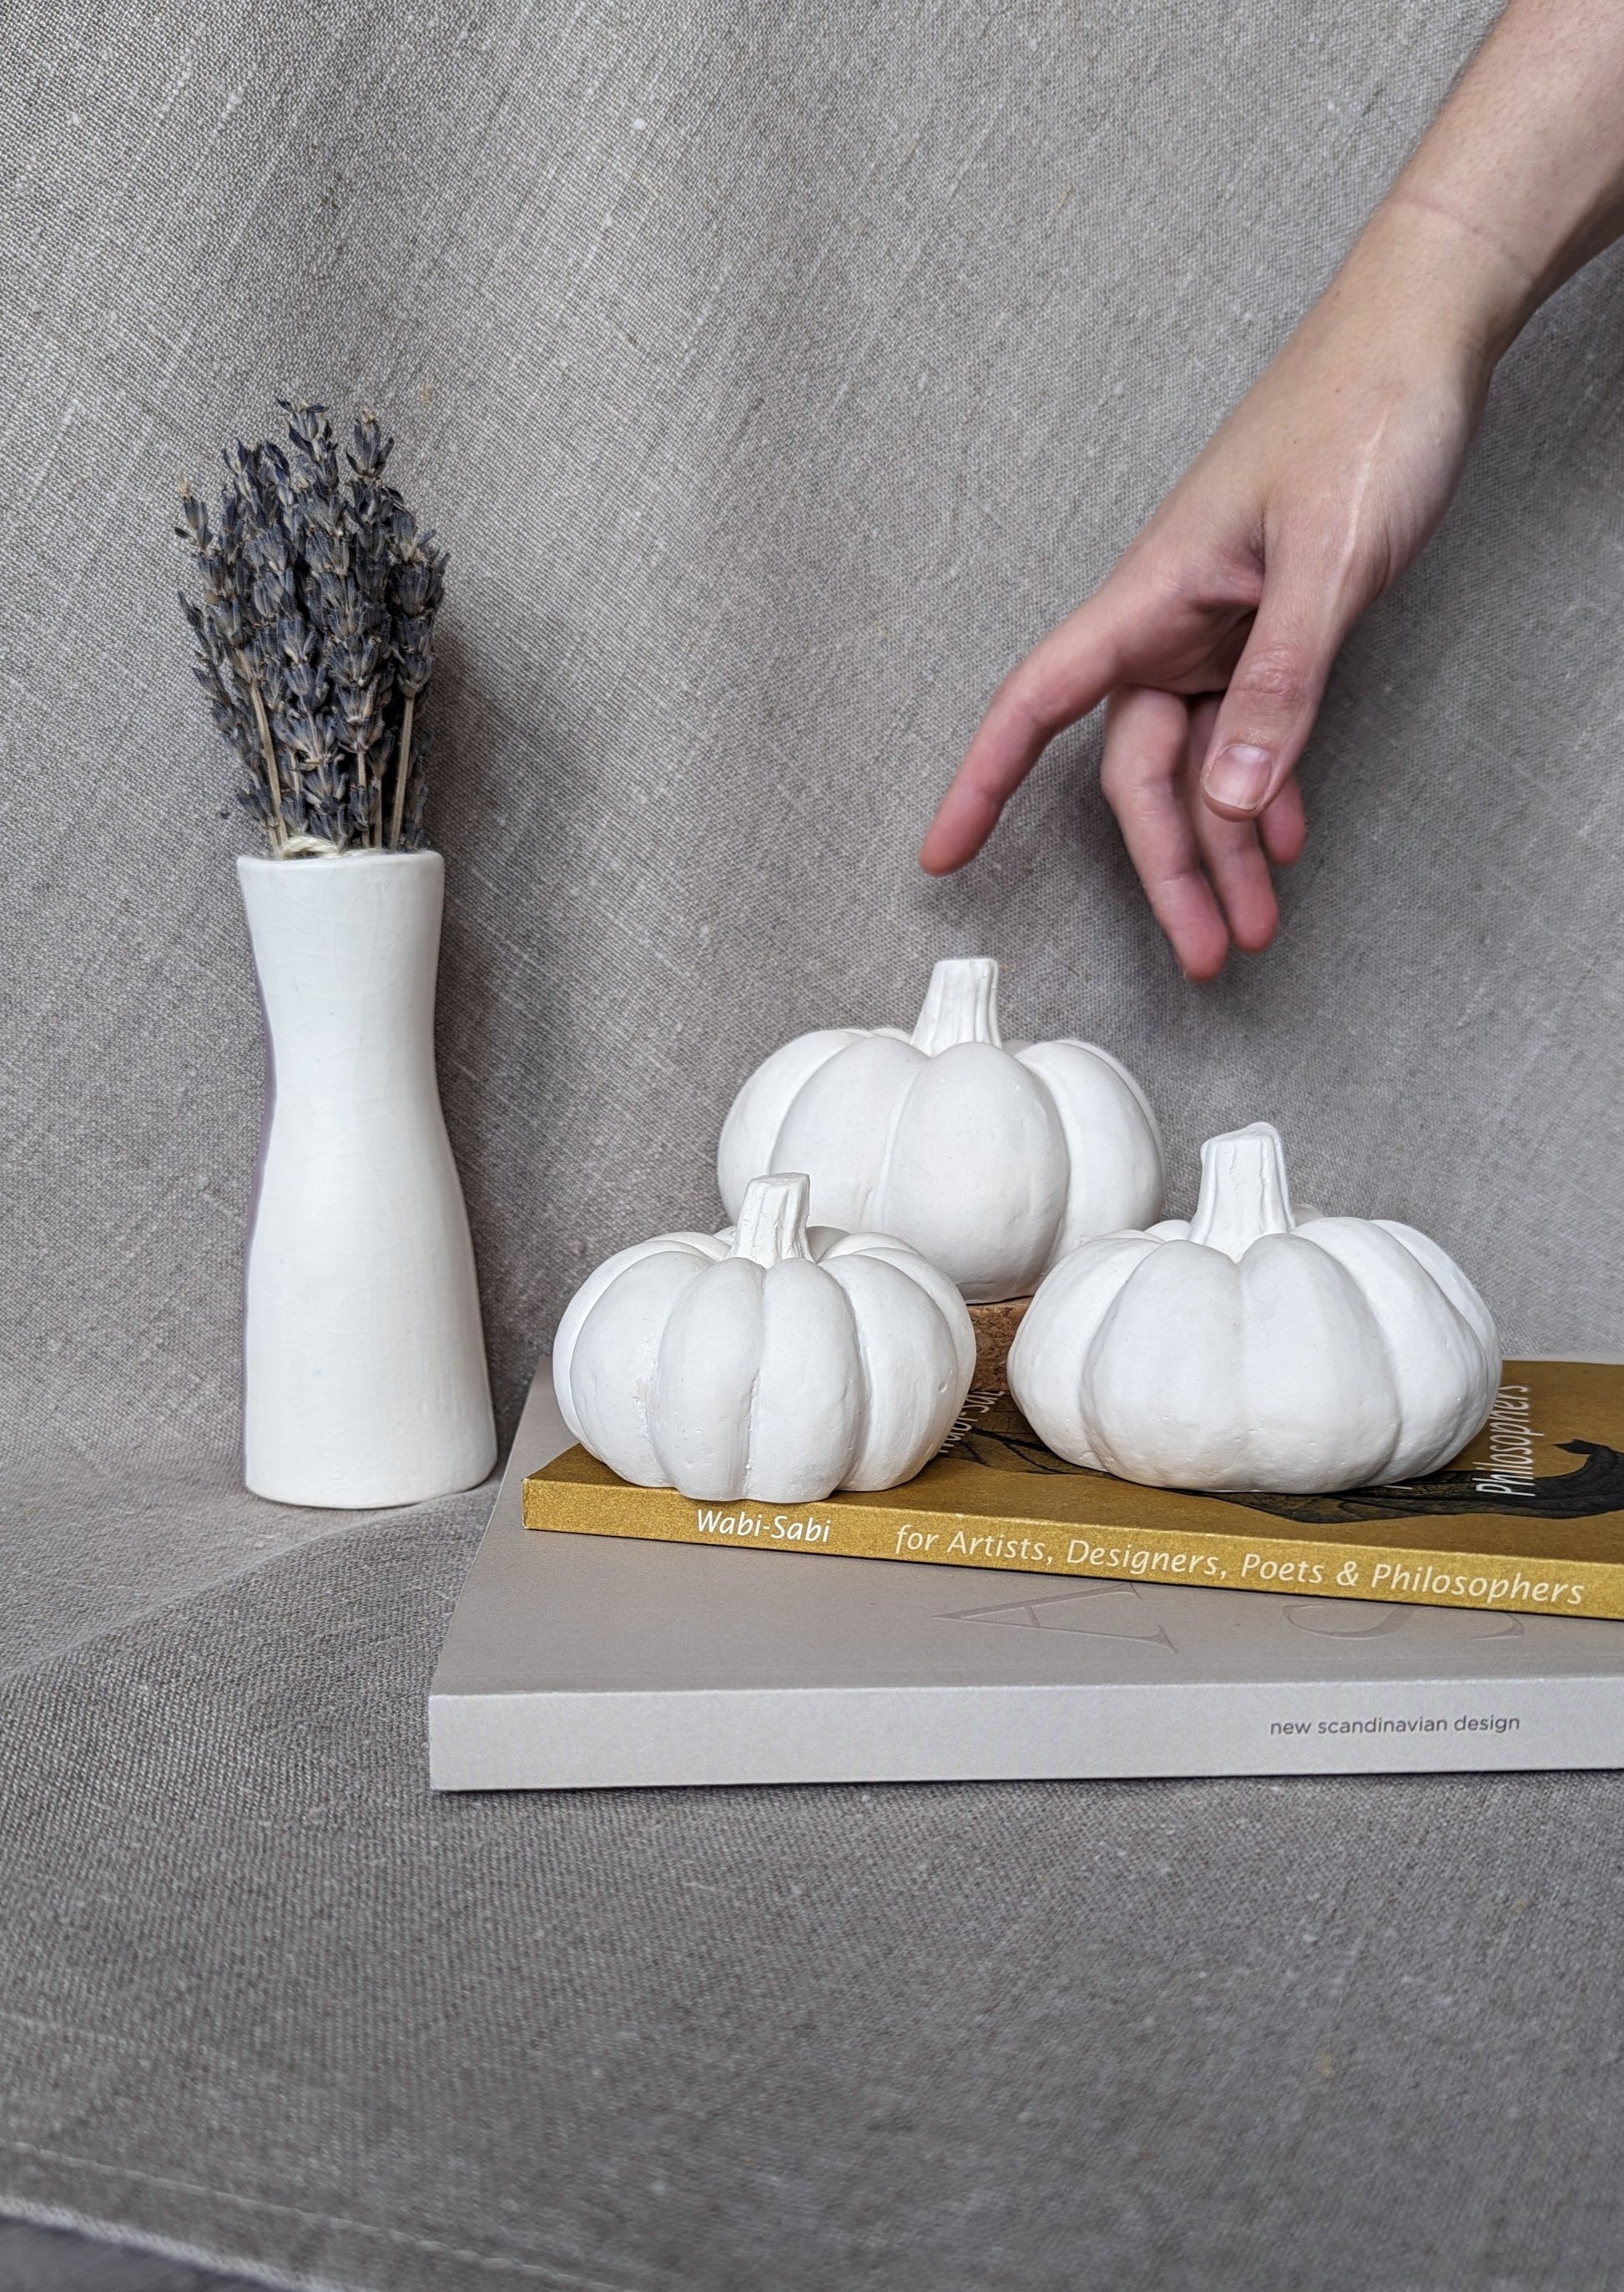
(994,1159)
(1247,1349)
(768,1361)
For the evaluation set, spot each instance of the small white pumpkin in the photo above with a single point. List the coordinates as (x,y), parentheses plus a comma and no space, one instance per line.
(993,1159)
(767,1361)
(1248,1349)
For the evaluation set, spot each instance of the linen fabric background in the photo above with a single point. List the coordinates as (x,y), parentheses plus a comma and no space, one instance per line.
(775,375)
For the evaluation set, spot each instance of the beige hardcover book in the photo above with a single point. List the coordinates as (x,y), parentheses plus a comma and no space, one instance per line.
(1529,1517)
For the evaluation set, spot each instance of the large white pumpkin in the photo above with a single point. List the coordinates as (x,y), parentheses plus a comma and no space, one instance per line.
(768,1361)
(1245,1350)
(994,1159)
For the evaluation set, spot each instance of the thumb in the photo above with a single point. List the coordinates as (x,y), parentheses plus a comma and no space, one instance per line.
(1266,716)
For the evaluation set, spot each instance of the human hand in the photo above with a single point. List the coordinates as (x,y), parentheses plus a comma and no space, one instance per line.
(1211,640)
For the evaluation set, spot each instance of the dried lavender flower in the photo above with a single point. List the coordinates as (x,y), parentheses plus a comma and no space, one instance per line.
(313,628)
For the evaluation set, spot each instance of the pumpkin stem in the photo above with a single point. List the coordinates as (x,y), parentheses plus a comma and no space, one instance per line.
(961,1005)
(772,1220)
(1244,1191)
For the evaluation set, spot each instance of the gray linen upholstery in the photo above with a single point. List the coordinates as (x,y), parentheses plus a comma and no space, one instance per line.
(775,375)
(57,2260)
(1335,2032)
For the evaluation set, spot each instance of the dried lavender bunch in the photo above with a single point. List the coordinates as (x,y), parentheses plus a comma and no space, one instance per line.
(314,625)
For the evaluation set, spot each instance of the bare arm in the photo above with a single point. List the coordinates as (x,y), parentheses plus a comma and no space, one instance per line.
(1211,640)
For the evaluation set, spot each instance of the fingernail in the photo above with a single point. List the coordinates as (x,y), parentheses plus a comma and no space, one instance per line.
(1238,775)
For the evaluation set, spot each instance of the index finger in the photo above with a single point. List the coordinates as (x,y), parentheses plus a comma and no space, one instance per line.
(1060,680)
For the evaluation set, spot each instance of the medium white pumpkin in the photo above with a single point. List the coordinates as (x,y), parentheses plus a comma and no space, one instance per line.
(1247,1349)
(768,1361)
(994,1159)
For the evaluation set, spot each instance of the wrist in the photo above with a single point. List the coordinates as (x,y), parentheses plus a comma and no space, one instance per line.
(1438,283)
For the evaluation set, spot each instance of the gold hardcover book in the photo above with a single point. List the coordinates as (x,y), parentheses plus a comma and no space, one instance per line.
(1529,1517)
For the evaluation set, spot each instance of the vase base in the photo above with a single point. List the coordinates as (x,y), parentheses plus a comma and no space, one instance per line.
(383,1494)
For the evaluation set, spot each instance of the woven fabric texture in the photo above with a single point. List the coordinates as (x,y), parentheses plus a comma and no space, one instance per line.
(1332,2033)
(775,376)
(57,2260)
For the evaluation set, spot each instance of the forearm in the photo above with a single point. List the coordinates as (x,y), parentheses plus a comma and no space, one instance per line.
(1213,636)
(1517,183)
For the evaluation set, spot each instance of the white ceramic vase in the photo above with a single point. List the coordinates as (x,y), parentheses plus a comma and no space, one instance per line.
(365,1374)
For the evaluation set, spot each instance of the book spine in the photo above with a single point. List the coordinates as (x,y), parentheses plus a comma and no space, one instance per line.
(853,1531)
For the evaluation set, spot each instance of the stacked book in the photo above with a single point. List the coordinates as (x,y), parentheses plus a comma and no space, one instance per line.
(1058,1622)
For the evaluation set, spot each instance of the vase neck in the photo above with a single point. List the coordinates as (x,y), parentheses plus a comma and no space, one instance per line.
(346,953)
